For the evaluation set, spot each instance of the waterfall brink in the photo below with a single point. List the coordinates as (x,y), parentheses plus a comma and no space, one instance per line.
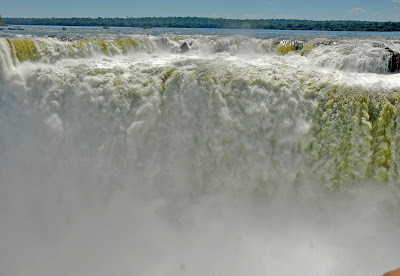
(124,155)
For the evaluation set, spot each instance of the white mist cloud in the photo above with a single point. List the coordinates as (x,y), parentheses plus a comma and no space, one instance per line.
(359,10)
(253,16)
(396,1)
(286,16)
(248,16)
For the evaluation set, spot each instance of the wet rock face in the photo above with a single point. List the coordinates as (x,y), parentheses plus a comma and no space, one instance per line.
(184,47)
(394,60)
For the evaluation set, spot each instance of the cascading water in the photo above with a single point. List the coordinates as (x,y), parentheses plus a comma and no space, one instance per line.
(121,155)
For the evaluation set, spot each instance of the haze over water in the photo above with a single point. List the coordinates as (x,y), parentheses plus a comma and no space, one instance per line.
(263,153)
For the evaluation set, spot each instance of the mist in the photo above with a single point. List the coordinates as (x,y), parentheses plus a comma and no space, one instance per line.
(229,164)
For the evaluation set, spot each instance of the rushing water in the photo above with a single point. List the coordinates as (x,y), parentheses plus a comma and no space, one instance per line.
(264,153)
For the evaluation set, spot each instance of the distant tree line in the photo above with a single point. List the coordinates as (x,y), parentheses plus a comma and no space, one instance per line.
(2,23)
(202,22)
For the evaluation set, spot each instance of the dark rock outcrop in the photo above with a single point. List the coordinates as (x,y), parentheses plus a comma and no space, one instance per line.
(393,60)
(184,47)
(16,29)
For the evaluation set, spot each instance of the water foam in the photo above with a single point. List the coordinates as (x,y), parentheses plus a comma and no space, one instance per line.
(220,160)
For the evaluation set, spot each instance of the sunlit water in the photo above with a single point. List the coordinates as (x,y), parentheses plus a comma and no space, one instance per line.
(254,153)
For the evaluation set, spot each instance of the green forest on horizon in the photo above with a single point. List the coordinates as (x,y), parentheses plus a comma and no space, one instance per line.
(205,22)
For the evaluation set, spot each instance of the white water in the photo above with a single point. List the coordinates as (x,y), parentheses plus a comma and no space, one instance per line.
(128,157)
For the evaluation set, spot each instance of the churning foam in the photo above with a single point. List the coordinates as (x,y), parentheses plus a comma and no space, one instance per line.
(242,156)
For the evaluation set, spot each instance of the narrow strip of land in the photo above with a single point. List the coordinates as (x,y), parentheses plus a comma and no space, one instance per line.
(203,22)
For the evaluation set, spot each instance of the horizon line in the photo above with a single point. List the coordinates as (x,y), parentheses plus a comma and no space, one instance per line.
(208,17)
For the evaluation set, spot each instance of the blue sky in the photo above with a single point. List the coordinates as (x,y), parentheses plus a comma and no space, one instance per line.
(376,10)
